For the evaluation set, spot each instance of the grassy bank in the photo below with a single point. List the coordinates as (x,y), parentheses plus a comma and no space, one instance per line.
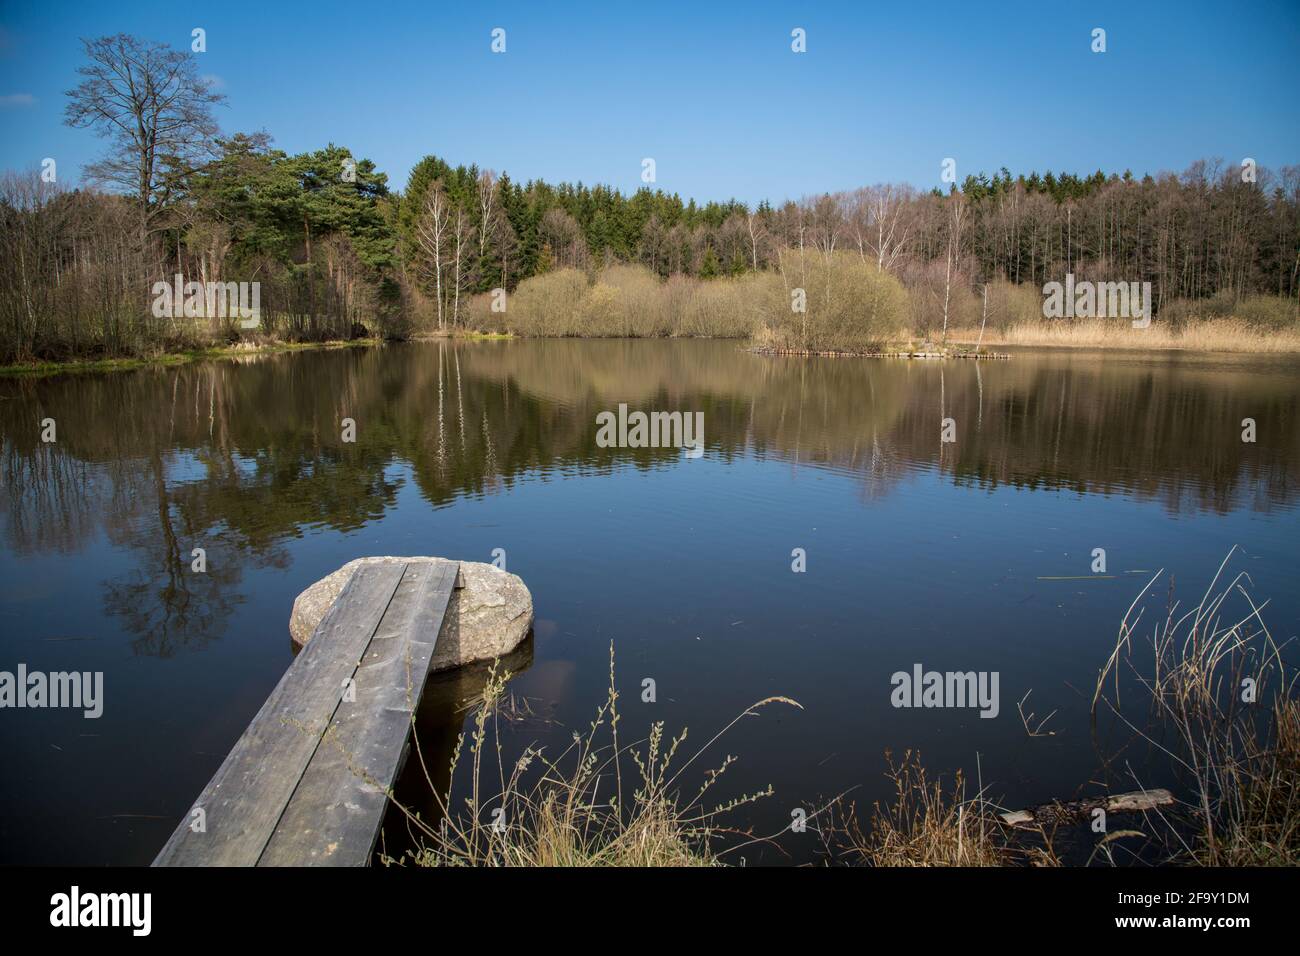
(164,359)
(603,802)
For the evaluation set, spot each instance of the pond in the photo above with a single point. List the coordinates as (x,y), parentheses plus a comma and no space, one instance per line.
(976,554)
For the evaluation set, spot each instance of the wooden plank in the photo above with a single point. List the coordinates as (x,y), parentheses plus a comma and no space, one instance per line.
(247,795)
(334,816)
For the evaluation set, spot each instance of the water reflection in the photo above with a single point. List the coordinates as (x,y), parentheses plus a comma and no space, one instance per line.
(255,446)
(239,456)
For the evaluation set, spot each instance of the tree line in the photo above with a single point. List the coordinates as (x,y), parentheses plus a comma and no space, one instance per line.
(340,254)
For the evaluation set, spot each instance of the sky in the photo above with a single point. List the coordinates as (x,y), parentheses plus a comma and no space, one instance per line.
(712,92)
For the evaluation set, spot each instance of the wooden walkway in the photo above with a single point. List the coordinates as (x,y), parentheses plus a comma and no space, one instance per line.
(306,784)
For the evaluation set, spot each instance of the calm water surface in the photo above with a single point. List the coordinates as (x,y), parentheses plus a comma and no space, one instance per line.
(917,551)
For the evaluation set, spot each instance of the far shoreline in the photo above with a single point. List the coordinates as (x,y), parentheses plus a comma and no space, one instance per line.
(1206,338)
(167,359)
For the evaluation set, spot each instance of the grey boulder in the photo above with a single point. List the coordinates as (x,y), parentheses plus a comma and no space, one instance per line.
(488,618)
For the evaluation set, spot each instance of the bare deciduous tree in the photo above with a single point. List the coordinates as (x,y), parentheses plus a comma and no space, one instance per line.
(887,208)
(956,224)
(433,235)
(463,233)
(565,237)
(151,103)
(756,229)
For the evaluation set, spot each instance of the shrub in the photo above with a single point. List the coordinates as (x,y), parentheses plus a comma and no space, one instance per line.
(639,303)
(1180,313)
(927,285)
(1269,313)
(626,301)
(850,305)
(547,305)
(725,308)
(1010,305)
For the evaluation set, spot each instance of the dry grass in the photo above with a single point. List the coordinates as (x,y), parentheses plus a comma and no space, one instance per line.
(1211,335)
(597,803)
(923,825)
(1220,704)
(1262,825)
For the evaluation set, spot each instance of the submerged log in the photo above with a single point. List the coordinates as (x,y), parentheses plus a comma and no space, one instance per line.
(1074,811)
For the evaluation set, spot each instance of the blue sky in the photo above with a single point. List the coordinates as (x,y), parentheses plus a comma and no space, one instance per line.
(711,91)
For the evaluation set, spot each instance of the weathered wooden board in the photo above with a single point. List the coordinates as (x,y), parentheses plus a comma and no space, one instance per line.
(335,814)
(291,784)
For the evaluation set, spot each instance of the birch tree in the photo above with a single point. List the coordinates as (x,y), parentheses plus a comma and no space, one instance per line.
(956,224)
(756,229)
(433,235)
(887,208)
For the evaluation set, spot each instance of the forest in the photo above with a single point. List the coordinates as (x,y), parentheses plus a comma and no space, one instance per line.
(340,254)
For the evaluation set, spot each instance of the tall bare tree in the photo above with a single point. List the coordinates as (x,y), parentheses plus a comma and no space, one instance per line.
(757,232)
(653,243)
(433,235)
(956,225)
(887,208)
(488,210)
(463,271)
(151,103)
(564,234)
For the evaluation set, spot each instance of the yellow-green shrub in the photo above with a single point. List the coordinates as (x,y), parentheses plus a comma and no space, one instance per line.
(850,305)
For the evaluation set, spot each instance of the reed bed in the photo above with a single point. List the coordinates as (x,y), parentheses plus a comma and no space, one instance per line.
(1208,335)
(1214,696)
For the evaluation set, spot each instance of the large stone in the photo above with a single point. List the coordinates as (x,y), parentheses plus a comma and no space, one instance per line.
(489,617)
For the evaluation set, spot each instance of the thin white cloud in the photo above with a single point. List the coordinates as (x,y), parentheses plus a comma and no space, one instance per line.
(214,82)
(16,101)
